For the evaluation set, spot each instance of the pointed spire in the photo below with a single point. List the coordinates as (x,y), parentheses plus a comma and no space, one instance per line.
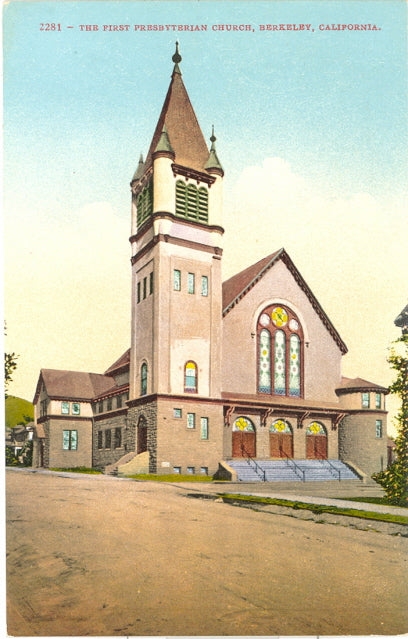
(213,163)
(176,59)
(140,169)
(163,145)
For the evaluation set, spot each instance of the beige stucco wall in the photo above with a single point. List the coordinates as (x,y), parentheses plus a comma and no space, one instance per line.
(322,357)
(353,401)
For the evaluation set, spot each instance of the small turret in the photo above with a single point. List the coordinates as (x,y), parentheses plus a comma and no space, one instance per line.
(164,147)
(213,165)
(140,169)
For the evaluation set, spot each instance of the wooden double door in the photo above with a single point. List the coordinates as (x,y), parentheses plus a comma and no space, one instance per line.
(316,447)
(243,441)
(281,445)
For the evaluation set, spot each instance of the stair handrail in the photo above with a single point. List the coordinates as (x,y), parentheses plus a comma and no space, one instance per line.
(297,468)
(258,469)
(332,468)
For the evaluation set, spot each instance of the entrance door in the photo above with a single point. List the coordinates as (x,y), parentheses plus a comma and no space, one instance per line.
(316,441)
(142,435)
(243,438)
(281,439)
(281,445)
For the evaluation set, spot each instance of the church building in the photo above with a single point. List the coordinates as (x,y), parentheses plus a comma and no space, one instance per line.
(240,378)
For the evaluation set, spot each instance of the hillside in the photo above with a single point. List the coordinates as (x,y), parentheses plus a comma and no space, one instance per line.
(18,410)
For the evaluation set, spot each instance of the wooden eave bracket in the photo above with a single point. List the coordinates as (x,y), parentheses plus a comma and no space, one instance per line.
(227,415)
(337,419)
(302,418)
(265,415)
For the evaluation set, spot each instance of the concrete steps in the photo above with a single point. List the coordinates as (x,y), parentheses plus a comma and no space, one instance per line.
(310,469)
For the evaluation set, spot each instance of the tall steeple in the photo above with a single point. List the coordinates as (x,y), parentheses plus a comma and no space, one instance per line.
(183,130)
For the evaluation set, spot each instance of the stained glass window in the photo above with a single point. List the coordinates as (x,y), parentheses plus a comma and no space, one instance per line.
(190,377)
(243,424)
(264,376)
(280,363)
(143,379)
(280,426)
(315,429)
(190,420)
(280,349)
(294,365)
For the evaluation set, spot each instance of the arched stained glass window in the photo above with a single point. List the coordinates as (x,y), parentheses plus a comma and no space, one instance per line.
(264,370)
(191,202)
(143,379)
(280,363)
(190,377)
(243,424)
(280,352)
(294,365)
(280,426)
(315,428)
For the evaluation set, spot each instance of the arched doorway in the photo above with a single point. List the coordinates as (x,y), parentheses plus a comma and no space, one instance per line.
(141,434)
(243,438)
(281,439)
(316,441)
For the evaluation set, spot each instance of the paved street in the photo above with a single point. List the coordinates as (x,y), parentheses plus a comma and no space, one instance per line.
(113,557)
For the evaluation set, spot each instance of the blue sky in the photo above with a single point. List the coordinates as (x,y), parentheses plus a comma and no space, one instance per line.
(329,106)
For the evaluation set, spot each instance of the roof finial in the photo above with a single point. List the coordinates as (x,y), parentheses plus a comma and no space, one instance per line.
(212,138)
(177,57)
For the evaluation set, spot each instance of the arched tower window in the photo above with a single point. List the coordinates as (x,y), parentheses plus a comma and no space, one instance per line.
(190,377)
(143,379)
(191,202)
(145,204)
(280,352)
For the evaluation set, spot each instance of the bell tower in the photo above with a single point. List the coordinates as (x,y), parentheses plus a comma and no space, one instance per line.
(176,245)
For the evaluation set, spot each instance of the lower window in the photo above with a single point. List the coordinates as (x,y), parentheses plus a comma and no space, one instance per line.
(190,470)
(70,440)
(177,470)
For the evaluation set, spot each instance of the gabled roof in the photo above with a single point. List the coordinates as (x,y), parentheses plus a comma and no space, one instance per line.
(60,384)
(184,133)
(121,363)
(358,385)
(234,289)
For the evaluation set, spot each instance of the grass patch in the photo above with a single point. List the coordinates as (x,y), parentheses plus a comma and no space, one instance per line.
(172,478)
(381,501)
(78,469)
(317,509)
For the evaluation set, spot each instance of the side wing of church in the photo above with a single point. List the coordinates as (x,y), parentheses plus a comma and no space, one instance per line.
(219,376)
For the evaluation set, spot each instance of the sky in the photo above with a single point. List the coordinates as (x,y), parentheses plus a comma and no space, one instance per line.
(311,129)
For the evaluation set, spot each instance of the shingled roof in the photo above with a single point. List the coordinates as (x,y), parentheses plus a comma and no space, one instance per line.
(61,384)
(183,130)
(359,385)
(121,364)
(234,289)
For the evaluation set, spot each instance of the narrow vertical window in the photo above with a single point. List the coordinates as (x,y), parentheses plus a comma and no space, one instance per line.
(176,280)
(143,379)
(144,287)
(378,400)
(151,283)
(190,420)
(108,438)
(138,293)
(76,409)
(190,377)
(100,440)
(190,283)
(204,286)
(378,428)
(118,437)
(264,370)
(365,400)
(280,363)
(294,365)
(64,408)
(204,428)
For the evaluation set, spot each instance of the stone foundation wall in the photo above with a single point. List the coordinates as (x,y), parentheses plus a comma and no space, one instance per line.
(136,415)
(109,455)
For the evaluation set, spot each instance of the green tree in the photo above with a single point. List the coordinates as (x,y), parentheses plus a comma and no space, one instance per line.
(394,480)
(10,365)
